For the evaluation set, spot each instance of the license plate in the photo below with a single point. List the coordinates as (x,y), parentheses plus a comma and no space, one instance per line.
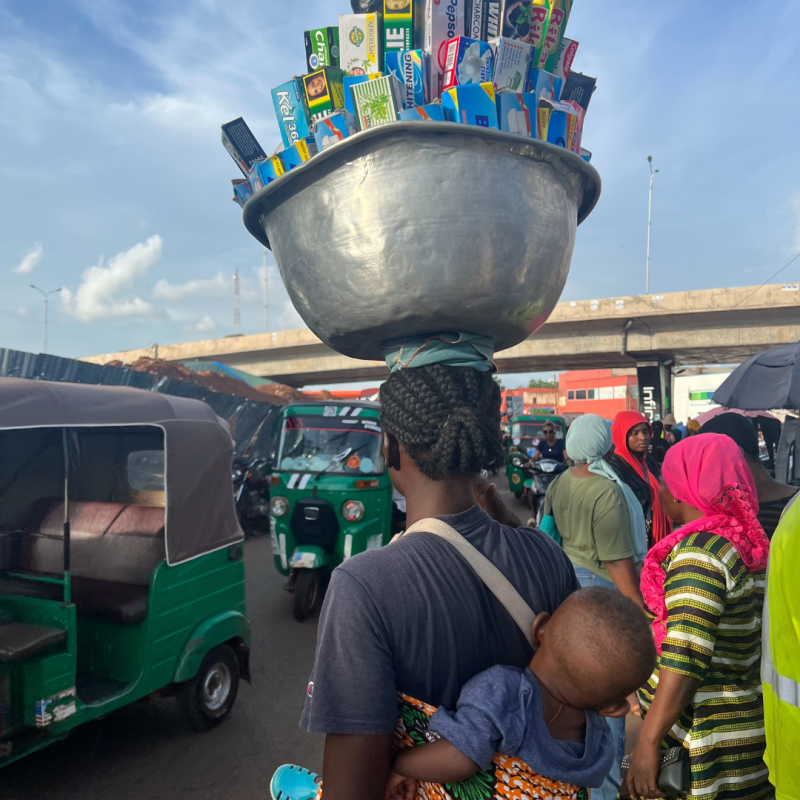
(303,560)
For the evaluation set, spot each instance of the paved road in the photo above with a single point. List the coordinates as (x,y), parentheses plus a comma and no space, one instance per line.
(145,752)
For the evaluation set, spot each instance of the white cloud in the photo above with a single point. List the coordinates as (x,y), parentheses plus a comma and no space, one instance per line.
(95,297)
(201,287)
(22,312)
(206,325)
(30,260)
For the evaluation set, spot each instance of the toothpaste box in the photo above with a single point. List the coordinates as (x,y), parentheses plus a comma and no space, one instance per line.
(298,153)
(322,48)
(581,112)
(377,102)
(292,112)
(556,26)
(563,127)
(266,171)
(430,113)
(579,89)
(512,64)
(399,17)
(516,113)
(527,21)
(352,80)
(545,85)
(444,20)
(335,128)
(408,66)
(544,108)
(467,61)
(324,92)
(562,64)
(243,147)
(360,50)
(471,105)
(242,191)
(484,19)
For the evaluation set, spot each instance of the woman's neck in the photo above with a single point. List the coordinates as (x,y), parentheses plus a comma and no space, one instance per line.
(582,471)
(451,495)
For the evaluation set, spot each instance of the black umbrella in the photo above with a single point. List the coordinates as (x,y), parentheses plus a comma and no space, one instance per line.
(768,380)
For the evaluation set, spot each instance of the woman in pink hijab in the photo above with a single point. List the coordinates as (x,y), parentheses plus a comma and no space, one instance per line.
(704,585)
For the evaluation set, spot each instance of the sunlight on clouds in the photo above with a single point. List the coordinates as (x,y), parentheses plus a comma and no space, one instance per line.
(203,287)
(30,260)
(206,325)
(95,297)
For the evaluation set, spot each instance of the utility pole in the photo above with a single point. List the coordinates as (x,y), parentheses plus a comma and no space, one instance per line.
(649,221)
(237,318)
(266,292)
(45,295)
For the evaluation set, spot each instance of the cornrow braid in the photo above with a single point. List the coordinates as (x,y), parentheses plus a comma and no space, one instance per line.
(447,418)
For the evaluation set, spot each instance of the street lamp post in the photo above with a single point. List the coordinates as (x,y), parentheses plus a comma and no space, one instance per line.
(45,295)
(649,220)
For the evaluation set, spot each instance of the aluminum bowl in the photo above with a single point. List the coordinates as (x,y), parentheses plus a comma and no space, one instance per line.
(422,227)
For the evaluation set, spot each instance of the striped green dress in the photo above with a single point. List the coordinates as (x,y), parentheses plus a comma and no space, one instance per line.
(714,635)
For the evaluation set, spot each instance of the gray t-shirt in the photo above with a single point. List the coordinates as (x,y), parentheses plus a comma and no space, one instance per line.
(414,617)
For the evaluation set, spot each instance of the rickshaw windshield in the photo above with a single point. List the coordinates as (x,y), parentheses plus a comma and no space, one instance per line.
(533,430)
(333,445)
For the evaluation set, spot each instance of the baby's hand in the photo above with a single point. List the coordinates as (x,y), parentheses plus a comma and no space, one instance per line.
(400,788)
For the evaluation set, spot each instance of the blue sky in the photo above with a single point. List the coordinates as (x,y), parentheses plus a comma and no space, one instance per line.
(114,184)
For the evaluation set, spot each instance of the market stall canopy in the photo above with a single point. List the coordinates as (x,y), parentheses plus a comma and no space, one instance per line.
(768,380)
(200,509)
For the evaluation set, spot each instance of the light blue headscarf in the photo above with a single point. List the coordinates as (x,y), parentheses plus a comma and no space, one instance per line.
(588,440)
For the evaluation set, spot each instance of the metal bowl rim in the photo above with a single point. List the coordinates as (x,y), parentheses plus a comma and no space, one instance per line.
(272,195)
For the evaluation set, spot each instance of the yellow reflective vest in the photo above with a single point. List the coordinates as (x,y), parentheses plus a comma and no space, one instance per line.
(780,661)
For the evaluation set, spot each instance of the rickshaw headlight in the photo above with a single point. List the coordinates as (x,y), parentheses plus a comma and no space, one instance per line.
(516,461)
(279,506)
(352,510)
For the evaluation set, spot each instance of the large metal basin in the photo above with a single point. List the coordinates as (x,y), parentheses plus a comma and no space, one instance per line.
(420,227)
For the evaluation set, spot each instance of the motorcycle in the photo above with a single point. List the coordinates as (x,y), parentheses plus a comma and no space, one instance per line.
(542,473)
(251,490)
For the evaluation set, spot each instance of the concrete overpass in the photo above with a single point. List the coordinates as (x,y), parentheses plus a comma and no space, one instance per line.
(710,326)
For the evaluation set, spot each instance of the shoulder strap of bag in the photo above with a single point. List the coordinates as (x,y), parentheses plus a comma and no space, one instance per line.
(494,580)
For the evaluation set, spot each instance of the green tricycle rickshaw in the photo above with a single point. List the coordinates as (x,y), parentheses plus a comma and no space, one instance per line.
(520,444)
(331,493)
(121,559)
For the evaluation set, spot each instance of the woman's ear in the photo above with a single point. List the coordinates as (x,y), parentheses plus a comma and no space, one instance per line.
(539,624)
(391,451)
(615,710)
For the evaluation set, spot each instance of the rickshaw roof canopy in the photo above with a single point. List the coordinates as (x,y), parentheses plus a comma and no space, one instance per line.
(200,511)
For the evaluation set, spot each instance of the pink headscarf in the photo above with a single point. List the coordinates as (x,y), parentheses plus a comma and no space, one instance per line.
(709,473)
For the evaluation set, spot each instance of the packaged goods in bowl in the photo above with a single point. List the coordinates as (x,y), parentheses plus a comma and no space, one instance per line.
(324,92)
(289,100)
(471,105)
(333,129)
(527,21)
(467,61)
(430,113)
(400,24)
(557,25)
(377,102)
(243,147)
(444,20)
(516,113)
(562,125)
(242,191)
(484,19)
(408,66)
(545,85)
(352,80)
(564,58)
(360,51)
(298,153)
(322,48)
(579,88)
(266,171)
(512,64)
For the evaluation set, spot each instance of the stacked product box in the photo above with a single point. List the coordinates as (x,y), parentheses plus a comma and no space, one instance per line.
(322,48)
(360,37)
(377,102)
(409,67)
(401,26)
(467,61)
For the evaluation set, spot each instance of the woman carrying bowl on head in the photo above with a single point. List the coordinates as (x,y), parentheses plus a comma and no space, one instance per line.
(632,435)
(704,584)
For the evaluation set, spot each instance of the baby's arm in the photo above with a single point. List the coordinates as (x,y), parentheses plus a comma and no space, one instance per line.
(438,762)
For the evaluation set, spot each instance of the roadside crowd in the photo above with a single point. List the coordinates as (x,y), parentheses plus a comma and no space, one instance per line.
(687,540)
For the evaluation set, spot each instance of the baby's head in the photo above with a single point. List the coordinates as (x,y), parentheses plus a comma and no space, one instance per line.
(594,651)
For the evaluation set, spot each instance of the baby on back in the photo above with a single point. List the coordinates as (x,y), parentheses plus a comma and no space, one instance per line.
(594,651)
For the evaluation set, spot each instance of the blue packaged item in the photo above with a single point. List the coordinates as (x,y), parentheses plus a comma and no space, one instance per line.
(408,66)
(586,155)
(266,171)
(545,85)
(291,110)
(352,80)
(467,61)
(299,153)
(472,105)
(430,113)
(562,129)
(242,191)
(516,113)
(335,128)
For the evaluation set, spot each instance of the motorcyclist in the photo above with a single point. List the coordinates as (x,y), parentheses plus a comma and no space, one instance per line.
(550,447)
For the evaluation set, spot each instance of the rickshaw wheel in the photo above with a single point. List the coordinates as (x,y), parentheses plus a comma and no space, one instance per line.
(207,699)
(307,590)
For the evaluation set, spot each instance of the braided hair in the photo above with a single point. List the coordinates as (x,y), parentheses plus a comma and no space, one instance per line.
(447,418)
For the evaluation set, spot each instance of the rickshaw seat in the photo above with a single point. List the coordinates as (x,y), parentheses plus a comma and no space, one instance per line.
(123,603)
(19,640)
